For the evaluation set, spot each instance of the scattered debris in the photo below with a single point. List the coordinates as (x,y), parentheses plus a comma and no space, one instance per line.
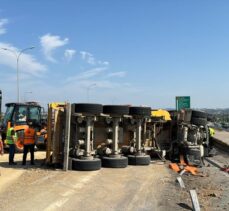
(174,167)
(184,168)
(193,170)
(225,169)
(181,182)
(212,195)
(195,201)
(182,172)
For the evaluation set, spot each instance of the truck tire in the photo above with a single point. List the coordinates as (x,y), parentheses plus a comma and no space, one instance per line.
(199,121)
(199,114)
(87,108)
(139,160)
(110,162)
(86,165)
(140,111)
(116,109)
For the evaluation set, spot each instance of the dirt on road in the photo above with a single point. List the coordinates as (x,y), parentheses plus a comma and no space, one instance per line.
(133,188)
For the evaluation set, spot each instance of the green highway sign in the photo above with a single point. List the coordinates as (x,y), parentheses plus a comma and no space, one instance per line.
(183,102)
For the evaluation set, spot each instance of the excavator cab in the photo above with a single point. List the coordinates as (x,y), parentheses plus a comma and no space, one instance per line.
(19,114)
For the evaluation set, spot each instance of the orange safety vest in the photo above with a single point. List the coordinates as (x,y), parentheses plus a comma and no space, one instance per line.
(29,136)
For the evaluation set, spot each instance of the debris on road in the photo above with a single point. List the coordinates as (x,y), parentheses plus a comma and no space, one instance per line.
(195,201)
(181,182)
(183,168)
(225,169)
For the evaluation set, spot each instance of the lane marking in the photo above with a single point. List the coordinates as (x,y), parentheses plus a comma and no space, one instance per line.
(80,184)
(56,204)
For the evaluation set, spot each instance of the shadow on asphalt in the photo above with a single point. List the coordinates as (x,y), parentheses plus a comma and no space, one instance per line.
(185,206)
(39,163)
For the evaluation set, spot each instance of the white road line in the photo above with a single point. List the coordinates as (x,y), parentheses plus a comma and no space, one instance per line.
(82,182)
(56,204)
(42,179)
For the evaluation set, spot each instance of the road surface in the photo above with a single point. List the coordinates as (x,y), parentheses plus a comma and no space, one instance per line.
(133,188)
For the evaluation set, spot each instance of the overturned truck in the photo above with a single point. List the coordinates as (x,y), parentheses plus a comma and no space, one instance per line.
(92,136)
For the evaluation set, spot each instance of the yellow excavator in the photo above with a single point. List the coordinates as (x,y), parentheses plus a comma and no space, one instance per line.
(18,115)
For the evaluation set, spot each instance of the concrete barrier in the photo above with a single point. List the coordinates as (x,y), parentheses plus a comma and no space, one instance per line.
(221,140)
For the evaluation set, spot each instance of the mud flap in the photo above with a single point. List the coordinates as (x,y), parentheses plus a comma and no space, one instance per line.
(193,156)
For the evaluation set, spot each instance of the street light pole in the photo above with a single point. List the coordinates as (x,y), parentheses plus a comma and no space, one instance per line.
(17,55)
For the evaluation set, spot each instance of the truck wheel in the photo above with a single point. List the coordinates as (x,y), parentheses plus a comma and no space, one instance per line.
(87,108)
(139,160)
(86,165)
(199,121)
(140,111)
(110,162)
(199,114)
(116,109)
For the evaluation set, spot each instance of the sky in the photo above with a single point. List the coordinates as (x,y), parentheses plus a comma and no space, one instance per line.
(116,52)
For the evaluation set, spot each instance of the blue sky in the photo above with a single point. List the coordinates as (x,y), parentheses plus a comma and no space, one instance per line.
(120,52)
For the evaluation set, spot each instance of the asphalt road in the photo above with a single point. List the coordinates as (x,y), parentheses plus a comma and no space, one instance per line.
(133,188)
(108,189)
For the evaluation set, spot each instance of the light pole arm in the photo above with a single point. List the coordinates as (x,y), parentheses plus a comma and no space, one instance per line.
(17,55)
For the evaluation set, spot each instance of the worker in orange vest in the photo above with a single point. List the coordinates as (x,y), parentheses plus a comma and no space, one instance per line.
(29,143)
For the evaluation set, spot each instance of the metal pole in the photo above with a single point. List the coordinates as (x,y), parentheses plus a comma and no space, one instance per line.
(138,138)
(17,55)
(115,136)
(18,92)
(88,137)
(67,135)
(49,129)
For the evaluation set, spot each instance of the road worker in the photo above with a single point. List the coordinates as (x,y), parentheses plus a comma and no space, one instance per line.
(29,142)
(212,150)
(211,131)
(11,138)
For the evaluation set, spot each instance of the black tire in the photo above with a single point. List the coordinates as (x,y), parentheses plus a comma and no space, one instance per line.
(199,114)
(87,108)
(86,165)
(116,109)
(125,150)
(110,162)
(199,121)
(140,111)
(139,160)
